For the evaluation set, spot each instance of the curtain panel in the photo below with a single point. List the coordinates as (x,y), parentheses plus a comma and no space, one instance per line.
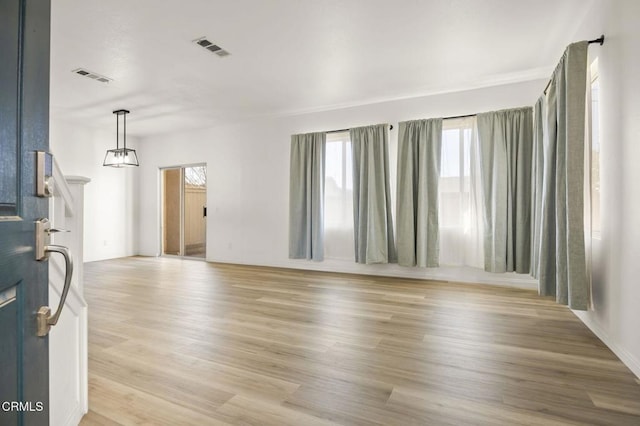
(306,196)
(506,141)
(537,174)
(419,147)
(562,261)
(372,218)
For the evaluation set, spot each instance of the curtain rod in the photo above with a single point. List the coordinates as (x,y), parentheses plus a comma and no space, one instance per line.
(346,130)
(458,116)
(599,40)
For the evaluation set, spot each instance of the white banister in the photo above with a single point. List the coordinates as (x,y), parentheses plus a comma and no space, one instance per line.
(68,378)
(62,189)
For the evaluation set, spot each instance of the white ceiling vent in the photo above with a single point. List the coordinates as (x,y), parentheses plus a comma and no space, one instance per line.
(211,47)
(92,75)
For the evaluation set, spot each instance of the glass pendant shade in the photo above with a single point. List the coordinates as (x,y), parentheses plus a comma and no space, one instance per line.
(121,157)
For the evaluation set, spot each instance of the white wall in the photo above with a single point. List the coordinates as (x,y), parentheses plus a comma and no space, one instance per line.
(615,316)
(248,178)
(111,207)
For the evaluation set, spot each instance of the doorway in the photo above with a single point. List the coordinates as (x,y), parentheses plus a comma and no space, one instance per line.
(184,211)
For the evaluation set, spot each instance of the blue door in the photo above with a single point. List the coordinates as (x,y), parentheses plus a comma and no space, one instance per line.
(24,129)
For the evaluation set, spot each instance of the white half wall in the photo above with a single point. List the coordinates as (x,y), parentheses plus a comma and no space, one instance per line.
(68,380)
(248,178)
(615,314)
(111,198)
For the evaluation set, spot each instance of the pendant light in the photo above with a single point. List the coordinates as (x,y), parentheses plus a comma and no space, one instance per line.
(121,157)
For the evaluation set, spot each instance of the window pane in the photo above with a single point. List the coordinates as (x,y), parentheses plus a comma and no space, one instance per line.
(454,194)
(449,185)
(195,176)
(450,155)
(338,207)
(467,152)
(334,185)
(333,166)
(349,167)
(459,205)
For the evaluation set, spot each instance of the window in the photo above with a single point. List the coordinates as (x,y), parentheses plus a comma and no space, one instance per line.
(454,177)
(458,190)
(595,152)
(195,176)
(338,197)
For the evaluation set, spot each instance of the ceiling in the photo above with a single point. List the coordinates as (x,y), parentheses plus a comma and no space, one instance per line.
(289,56)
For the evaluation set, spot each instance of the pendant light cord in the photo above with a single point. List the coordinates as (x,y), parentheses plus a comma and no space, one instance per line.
(124,137)
(117,131)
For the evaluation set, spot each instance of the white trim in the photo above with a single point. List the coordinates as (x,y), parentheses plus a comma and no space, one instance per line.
(75,416)
(77,180)
(625,356)
(460,274)
(183,166)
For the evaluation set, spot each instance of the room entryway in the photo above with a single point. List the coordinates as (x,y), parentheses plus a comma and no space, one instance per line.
(184,211)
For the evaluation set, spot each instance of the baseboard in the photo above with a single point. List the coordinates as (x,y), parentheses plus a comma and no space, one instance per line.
(627,359)
(74,417)
(459,274)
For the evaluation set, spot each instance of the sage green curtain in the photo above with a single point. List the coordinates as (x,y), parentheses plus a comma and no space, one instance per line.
(537,175)
(562,269)
(372,219)
(505,139)
(306,196)
(419,146)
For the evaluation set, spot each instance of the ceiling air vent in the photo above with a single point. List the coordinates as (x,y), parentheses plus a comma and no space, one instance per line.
(211,47)
(92,75)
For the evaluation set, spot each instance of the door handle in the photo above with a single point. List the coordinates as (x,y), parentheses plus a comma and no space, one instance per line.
(44,317)
(43,235)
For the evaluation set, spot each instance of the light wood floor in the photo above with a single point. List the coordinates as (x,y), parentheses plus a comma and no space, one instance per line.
(180,342)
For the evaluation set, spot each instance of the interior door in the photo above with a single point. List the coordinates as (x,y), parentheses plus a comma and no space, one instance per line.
(24,129)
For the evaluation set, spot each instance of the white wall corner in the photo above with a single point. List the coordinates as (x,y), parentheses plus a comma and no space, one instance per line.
(625,356)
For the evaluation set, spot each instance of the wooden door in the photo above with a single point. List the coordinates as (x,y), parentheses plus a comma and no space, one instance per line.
(172,211)
(24,129)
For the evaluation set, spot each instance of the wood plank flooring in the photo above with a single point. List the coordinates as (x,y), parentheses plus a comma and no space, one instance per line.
(182,342)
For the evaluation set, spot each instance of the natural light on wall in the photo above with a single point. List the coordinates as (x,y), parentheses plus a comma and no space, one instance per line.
(595,151)
(338,209)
